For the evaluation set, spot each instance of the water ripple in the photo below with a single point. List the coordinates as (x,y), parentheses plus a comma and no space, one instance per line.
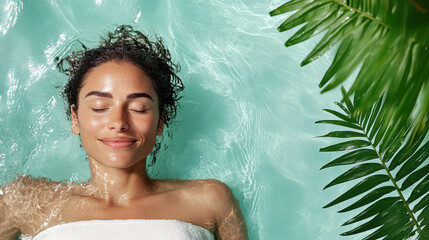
(11,11)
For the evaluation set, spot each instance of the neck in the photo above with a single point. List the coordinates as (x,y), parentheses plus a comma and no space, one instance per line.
(117,186)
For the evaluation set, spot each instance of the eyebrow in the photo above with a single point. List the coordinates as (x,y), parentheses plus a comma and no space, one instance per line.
(109,95)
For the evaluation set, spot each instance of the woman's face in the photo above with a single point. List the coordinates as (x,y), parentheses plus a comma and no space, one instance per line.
(117,116)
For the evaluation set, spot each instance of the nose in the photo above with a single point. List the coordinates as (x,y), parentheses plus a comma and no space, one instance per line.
(118,121)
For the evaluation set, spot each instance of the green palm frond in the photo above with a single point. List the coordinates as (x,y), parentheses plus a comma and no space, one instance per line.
(387,166)
(388,40)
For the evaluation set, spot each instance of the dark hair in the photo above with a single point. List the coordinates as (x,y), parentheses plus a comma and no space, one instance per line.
(127,45)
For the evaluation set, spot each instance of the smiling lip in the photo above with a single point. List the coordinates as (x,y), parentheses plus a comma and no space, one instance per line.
(118,142)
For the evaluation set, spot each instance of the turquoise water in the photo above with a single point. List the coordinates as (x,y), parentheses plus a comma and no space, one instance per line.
(247,116)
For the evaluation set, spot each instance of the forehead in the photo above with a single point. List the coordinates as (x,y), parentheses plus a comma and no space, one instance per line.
(118,78)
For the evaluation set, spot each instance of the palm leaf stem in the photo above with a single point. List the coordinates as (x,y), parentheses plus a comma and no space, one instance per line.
(393,182)
(399,192)
(360,13)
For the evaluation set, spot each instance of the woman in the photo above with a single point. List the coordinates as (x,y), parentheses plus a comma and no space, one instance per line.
(120,97)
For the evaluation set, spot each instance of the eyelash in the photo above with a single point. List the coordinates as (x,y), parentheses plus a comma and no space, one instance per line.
(102,109)
(98,110)
(142,111)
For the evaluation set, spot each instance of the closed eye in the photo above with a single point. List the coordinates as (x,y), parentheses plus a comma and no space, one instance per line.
(104,109)
(139,111)
(99,109)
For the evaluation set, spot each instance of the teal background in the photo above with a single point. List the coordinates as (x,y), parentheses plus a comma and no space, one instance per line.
(246,118)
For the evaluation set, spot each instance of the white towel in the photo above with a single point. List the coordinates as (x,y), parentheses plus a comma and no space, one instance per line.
(127,229)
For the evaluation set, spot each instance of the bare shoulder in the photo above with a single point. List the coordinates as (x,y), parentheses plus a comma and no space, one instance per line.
(174,184)
(28,188)
(216,192)
(213,201)
(219,202)
(210,195)
(218,199)
(210,189)
(21,188)
(28,200)
(26,194)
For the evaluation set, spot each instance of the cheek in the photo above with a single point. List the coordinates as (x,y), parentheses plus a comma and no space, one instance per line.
(89,123)
(155,123)
(145,126)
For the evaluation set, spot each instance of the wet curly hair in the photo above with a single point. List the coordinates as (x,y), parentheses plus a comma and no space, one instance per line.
(126,45)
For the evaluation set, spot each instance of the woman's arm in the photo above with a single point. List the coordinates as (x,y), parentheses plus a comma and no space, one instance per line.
(230,223)
(24,205)
(8,229)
